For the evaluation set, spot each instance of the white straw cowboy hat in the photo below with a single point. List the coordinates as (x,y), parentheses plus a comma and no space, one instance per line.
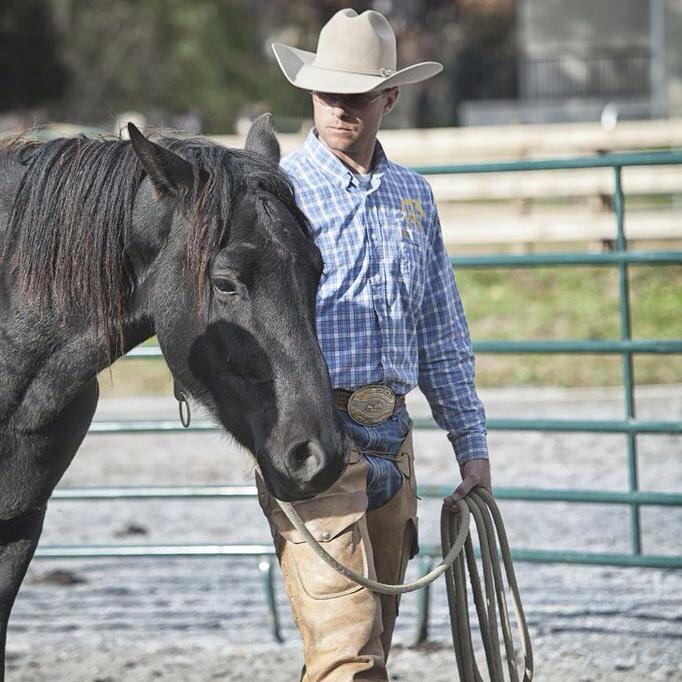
(356,53)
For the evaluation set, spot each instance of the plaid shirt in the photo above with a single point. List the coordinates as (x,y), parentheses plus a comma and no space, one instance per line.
(388,309)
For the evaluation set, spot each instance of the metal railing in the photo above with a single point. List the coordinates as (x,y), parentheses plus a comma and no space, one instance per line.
(598,73)
(630,427)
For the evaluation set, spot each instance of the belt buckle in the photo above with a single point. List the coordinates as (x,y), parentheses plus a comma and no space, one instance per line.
(371,405)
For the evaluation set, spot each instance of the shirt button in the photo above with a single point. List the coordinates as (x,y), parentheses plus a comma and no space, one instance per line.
(326,536)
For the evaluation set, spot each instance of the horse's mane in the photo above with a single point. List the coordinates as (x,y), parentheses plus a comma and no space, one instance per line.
(67,235)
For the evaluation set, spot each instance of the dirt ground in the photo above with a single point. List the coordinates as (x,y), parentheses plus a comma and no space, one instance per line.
(120,620)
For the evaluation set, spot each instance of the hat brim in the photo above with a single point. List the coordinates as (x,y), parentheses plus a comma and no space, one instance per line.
(299,68)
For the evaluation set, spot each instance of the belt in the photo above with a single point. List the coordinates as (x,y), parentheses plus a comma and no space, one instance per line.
(369,405)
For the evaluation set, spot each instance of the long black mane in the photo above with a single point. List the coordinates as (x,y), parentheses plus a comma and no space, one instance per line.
(68,231)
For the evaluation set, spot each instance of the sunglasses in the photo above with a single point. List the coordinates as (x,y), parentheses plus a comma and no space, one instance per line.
(361,101)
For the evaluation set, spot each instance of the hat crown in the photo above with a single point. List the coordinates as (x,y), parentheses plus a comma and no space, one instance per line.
(357,43)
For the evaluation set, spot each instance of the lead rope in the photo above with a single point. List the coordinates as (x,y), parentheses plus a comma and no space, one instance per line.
(456,545)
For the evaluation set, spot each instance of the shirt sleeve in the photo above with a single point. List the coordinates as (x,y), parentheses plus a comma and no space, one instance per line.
(446,359)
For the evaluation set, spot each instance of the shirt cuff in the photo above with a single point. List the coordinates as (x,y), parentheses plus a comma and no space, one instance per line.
(469,446)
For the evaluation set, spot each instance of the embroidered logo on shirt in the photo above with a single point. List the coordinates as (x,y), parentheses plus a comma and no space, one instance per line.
(413,212)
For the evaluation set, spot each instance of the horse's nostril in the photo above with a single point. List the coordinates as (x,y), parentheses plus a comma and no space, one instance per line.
(300,455)
(305,458)
(308,470)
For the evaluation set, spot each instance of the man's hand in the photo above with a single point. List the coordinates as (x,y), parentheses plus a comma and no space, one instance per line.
(474,472)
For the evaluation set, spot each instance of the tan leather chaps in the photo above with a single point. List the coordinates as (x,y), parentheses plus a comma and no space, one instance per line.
(347,629)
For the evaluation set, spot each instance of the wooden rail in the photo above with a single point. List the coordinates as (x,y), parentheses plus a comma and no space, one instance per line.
(491,225)
(560,184)
(453,145)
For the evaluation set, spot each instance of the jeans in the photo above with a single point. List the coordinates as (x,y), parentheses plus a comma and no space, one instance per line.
(383,476)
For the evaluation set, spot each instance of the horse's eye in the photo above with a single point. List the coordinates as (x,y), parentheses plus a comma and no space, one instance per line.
(225,286)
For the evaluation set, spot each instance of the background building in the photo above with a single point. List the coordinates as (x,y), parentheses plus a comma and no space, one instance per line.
(576,58)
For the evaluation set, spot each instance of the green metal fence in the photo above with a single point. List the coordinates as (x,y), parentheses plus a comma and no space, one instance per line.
(620,257)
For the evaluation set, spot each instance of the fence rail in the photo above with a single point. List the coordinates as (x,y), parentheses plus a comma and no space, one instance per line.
(630,427)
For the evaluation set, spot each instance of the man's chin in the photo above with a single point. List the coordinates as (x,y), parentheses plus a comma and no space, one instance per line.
(341,140)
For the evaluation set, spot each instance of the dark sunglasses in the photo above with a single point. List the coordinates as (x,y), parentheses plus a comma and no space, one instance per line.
(331,99)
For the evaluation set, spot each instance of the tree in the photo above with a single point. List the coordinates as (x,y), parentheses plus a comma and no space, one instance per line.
(163,57)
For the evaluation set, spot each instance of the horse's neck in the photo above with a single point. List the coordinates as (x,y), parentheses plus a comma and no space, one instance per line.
(44,367)
(45,363)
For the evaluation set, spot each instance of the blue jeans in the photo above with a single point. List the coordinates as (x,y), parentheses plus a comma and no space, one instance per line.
(383,476)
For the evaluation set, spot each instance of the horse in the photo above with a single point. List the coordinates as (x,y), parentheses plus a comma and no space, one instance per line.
(104,243)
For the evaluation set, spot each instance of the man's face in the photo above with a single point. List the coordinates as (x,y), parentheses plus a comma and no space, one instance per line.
(348,123)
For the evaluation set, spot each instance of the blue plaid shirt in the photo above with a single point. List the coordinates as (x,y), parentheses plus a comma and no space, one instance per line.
(388,309)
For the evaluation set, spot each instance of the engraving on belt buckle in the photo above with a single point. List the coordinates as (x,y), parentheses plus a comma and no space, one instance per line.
(371,405)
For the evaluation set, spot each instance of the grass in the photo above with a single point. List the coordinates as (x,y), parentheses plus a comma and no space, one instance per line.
(571,303)
(525,304)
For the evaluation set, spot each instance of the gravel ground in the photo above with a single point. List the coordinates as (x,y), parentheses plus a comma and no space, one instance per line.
(206,619)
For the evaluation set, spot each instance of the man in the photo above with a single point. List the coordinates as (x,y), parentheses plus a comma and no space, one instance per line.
(389,317)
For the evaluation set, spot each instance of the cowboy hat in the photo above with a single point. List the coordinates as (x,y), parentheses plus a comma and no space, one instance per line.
(356,53)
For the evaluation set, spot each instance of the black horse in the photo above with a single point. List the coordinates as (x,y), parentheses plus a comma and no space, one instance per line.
(104,243)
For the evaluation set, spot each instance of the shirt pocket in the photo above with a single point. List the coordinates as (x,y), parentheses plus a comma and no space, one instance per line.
(412,253)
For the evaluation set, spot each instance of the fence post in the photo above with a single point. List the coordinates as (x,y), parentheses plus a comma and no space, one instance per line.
(265,566)
(423,602)
(628,380)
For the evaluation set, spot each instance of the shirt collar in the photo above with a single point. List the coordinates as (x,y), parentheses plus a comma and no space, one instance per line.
(326,161)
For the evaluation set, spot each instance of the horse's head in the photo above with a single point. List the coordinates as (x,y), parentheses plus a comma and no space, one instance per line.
(228,272)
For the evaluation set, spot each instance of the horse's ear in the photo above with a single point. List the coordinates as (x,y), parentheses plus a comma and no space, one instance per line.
(168,172)
(261,138)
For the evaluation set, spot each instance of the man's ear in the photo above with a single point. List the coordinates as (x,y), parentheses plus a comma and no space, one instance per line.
(392,98)
(261,138)
(168,172)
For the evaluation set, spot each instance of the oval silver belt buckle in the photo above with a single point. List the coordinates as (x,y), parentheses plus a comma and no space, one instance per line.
(371,405)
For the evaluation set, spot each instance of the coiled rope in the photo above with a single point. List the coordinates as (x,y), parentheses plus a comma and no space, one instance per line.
(458,551)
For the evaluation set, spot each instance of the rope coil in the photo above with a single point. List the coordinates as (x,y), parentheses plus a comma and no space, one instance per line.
(457,546)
